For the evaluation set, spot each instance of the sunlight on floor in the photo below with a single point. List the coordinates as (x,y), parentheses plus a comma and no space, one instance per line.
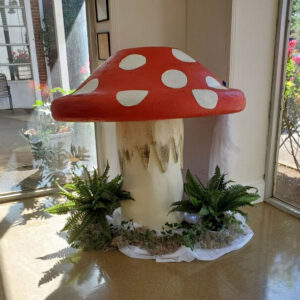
(36,263)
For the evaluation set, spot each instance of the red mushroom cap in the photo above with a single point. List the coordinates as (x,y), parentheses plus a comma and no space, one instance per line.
(150,83)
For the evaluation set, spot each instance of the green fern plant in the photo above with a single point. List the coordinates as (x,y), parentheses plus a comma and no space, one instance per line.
(89,201)
(213,201)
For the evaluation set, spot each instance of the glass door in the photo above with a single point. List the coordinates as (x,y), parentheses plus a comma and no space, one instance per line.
(35,150)
(287,186)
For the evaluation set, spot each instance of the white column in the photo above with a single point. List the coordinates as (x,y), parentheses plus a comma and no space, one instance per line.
(61,44)
(31,39)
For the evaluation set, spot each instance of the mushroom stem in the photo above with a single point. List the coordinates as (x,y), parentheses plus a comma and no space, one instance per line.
(151,158)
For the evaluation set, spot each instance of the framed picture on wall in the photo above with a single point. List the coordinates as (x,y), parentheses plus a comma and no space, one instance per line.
(103,42)
(102,12)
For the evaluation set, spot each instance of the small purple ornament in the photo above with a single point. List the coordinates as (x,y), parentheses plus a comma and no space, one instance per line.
(191,218)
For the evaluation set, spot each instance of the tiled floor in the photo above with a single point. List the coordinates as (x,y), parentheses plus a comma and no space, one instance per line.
(33,268)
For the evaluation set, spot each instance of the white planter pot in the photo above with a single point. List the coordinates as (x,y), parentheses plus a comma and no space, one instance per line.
(65,138)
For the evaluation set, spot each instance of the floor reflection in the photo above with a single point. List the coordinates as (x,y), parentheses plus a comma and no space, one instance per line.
(266,268)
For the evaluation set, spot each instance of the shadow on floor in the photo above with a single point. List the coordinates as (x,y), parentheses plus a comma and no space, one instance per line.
(253,272)
(266,268)
(2,291)
(20,213)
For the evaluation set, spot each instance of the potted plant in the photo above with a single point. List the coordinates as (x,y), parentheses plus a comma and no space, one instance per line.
(95,219)
(51,143)
(89,201)
(44,128)
(214,206)
(22,57)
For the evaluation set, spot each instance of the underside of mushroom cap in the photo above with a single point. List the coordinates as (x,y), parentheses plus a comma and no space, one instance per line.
(150,83)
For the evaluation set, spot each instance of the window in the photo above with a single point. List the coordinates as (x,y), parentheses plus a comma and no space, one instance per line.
(15,60)
(35,150)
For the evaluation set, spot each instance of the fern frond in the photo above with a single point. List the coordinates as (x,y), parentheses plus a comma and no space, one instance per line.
(72,221)
(82,187)
(104,176)
(233,196)
(217,181)
(91,199)
(64,192)
(184,206)
(70,186)
(61,209)
(192,183)
(105,227)
(87,219)
(123,195)
(213,182)
(215,199)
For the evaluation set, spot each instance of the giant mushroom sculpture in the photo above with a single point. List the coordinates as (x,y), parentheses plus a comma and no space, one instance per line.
(148,91)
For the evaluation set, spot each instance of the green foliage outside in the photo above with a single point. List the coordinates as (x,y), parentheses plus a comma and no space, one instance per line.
(295,20)
(291,102)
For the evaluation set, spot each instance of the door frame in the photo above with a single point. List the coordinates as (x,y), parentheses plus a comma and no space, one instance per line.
(277,94)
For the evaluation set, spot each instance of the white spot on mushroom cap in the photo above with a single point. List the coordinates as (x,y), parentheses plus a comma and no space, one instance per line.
(174,79)
(88,87)
(132,61)
(206,98)
(213,83)
(131,97)
(182,56)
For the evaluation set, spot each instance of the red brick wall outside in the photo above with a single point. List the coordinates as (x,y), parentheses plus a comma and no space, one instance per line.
(36,20)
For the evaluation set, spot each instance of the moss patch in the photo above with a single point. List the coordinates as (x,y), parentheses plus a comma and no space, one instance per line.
(171,239)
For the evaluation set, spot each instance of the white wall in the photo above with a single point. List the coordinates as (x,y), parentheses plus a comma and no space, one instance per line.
(197,145)
(252,53)
(138,23)
(234,39)
(208,41)
(208,34)
(149,23)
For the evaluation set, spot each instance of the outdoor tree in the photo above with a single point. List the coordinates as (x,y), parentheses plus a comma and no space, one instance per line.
(291,104)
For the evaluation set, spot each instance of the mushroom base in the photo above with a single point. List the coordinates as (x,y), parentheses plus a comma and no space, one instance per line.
(151,161)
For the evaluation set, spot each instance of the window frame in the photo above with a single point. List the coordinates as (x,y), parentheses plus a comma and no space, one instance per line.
(277,94)
(49,191)
(25,25)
